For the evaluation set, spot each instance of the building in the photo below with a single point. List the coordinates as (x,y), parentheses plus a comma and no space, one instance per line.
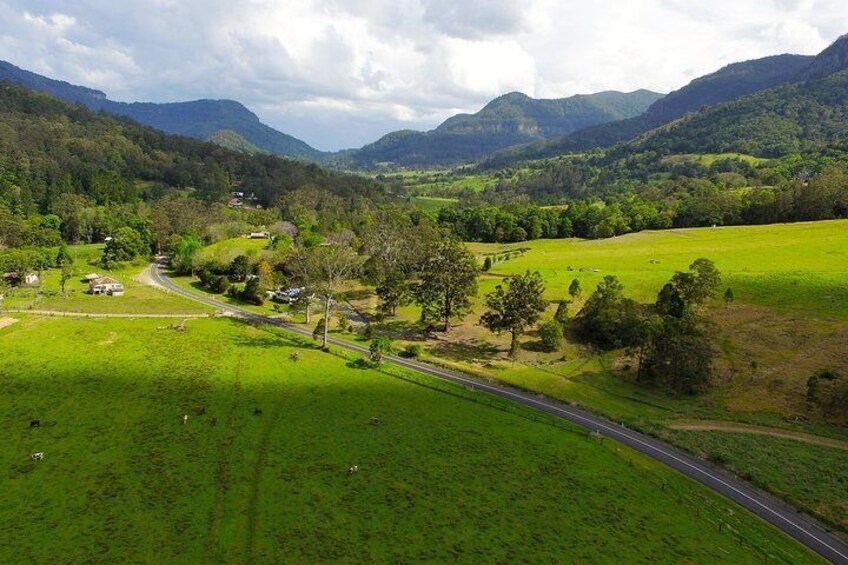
(106,285)
(260,235)
(235,203)
(31,279)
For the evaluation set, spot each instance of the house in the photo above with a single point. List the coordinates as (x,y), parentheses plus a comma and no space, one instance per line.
(13,278)
(235,203)
(106,285)
(259,235)
(236,194)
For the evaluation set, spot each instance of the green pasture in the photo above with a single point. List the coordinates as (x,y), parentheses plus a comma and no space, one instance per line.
(139,297)
(442,477)
(789,267)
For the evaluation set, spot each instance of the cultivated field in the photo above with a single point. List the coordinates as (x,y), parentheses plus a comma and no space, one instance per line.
(443,476)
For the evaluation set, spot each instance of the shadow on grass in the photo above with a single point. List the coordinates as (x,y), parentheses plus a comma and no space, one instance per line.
(466,350)
(402,329)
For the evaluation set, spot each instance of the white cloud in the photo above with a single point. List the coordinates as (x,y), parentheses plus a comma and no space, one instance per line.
(339,73)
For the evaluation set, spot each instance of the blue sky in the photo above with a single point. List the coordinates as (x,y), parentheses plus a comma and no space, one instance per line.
(341,73)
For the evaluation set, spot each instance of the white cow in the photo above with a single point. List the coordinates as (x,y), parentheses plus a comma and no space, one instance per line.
(38,456)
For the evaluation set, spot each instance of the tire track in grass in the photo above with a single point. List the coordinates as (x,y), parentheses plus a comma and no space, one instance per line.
(255,479)
(222,467)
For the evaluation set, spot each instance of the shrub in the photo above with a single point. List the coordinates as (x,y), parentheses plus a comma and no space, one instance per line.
(318,332)
(412,351)
(551,335)
(380,346)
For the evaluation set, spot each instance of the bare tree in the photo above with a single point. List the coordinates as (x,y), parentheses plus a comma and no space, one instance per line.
(324,269)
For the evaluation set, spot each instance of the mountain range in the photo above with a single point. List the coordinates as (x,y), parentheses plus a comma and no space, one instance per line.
(509,120)
(733,82)
(510,128)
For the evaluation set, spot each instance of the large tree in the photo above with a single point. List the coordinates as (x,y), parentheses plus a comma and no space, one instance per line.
(325,268)
(699,284)
(448,281)
(515,307)
(608,319)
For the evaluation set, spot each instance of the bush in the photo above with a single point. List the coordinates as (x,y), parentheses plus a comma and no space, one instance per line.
(412,352)
(318,332)
(551,335)
(380,346)
(487,263)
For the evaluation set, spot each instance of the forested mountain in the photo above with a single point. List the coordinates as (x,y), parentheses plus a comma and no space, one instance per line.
(729,83)
(799,117)
(49,147)
(509,120)
(200,119)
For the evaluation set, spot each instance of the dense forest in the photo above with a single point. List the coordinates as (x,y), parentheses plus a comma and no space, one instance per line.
(67,172)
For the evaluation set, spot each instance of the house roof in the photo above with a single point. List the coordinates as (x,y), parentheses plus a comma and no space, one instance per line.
(104,280)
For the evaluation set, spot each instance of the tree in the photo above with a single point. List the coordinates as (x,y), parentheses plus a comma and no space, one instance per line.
(325,268)
(126,245)
(669,302)
(516,307)
(318,332)
(680,356)
(728,296)
(265,273)
(562,316)
(66,274)
(183,251)
(394,291)
(574,289)
(608,319)
(64,256)
(448,281)
(487,264)
(699,284)
(253,292)
(551,335)
(380,346)
(239,268)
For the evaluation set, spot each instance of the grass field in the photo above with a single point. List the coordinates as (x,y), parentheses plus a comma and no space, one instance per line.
(139,297)
(799,268)
(443,477)
(788,321)
(226,250)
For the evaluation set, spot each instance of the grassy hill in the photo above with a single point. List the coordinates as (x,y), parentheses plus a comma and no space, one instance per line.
(443,477)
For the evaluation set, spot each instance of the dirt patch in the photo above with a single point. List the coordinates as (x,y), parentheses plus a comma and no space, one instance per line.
(4,322)
(710,425)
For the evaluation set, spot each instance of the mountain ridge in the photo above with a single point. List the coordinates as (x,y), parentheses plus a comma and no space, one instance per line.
(510,119)
(200,119)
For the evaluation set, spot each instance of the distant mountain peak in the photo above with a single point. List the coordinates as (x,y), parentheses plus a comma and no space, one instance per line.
(832,60)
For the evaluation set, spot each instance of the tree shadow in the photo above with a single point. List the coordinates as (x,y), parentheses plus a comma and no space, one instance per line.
(402,329)
(466,350)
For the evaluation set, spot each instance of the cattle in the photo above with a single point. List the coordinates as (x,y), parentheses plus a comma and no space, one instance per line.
(38,456)
(375,421)
(213,420)
(200,410)
(185,419)
(352,469)
(257,411)
(35,423)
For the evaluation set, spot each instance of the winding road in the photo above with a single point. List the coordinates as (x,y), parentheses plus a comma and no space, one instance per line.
(784,517)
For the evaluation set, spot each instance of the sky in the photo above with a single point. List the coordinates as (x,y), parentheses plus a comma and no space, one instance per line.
(341,73)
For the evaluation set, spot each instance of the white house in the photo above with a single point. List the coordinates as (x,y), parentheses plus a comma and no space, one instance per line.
(107,286)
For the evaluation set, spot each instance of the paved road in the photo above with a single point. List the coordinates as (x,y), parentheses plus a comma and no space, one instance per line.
(781,515)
